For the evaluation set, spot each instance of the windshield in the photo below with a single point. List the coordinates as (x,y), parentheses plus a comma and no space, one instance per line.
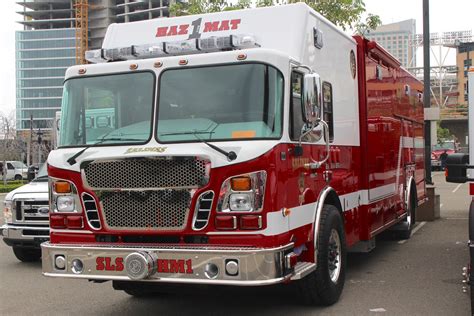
(42,174)
(220,103)
(19,165)
(445,145)
(115,107)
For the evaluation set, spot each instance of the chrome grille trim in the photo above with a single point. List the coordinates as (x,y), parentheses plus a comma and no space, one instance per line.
(92,213)
(26,211)
(146,173)
(159,210)
(202,211)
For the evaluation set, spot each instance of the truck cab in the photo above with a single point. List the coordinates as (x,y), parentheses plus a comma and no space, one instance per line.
(26,215)
(230,148)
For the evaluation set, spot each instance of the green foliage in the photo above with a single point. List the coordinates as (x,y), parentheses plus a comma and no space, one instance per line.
(344,13)
(443,134)
(10,186)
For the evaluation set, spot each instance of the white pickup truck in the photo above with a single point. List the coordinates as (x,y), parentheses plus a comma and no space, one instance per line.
(26,218)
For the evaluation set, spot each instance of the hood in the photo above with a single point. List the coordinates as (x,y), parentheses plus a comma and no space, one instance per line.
(32,190)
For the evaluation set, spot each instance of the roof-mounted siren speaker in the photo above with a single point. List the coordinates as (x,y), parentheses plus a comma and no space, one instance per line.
(318,38)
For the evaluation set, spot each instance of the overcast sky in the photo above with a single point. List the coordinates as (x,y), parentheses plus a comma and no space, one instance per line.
(452,15)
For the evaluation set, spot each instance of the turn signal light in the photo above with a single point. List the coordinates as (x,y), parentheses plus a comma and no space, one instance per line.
(226,222)
(57,221)
(74,222)
(241,184)
(250,222)
(62,187)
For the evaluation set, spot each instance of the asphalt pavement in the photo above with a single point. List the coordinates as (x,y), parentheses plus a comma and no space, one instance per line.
(421,276)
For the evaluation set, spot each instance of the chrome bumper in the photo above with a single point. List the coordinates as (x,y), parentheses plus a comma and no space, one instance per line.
(256,266)
(24,234)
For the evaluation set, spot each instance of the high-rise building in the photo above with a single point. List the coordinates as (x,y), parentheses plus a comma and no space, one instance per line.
(47,47)
(395,38)
(465,55)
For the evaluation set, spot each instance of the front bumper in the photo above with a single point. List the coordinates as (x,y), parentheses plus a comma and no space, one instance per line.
(435,163)
(256,266)
(24,236)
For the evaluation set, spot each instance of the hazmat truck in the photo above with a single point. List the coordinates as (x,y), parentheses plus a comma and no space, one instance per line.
(241,148)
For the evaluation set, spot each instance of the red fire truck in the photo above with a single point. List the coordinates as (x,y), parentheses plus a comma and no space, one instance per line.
(241,148)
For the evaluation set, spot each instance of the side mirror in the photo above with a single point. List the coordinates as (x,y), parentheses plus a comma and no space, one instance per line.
(311,98)
(456,166)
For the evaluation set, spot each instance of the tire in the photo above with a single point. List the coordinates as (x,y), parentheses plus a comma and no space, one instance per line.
(18,177)
(137,292)
(410,221)
(324,285)
(27,254)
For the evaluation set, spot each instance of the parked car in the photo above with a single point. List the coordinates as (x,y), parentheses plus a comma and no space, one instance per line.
(450,146)
(16,170)
(26,217)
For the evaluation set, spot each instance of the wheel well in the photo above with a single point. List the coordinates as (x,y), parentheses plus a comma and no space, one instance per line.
(333,199)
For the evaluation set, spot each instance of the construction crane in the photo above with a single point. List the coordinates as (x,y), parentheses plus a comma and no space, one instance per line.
(82,30)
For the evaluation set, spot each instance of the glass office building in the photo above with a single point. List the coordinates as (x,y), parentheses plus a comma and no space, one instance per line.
(42,57)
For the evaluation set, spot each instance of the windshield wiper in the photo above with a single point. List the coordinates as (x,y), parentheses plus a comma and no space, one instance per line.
(231,155)
(72,159)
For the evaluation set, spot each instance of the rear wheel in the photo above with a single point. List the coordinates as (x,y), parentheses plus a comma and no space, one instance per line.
(409,222)
(324,285)
(27,254)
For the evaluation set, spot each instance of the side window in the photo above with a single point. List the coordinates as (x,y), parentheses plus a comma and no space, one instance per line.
(10,166)
(296,115)
(328,115)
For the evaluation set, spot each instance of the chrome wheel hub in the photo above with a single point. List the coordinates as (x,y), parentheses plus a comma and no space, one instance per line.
(334,256)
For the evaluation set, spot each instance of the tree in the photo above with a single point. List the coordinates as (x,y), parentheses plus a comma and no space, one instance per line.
(443,134)
(344,13)
(11,146)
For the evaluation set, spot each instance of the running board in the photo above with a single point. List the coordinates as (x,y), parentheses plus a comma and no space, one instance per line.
(302,269)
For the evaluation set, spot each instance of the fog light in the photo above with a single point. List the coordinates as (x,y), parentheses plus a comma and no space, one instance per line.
(211,271)
(60,262)
(232,267)
(77,266)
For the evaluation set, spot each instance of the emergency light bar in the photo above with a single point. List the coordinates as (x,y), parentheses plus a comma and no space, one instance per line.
(206,45)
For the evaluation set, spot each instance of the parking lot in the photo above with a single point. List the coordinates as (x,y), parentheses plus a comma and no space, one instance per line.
(421,276)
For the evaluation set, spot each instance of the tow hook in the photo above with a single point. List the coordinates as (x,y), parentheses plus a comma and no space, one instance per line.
(465,281)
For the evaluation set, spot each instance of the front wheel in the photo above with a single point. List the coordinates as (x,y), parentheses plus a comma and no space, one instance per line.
(324,285)
(18,177)
(27,254)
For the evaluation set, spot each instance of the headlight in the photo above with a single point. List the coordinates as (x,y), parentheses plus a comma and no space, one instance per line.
(7,211)
(64,197)
(243,193)
(65,203)
(240,202)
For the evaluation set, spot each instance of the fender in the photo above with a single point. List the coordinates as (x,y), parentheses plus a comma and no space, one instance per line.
(410,182)
(323,195)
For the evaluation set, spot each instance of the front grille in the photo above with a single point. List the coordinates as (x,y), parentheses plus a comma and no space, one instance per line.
(91,211)
(146,173)
(161,210)
(31,211)
(203,210)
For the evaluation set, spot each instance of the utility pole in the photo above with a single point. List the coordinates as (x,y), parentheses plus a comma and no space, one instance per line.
(426,82)
(29,157)
(40,134)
